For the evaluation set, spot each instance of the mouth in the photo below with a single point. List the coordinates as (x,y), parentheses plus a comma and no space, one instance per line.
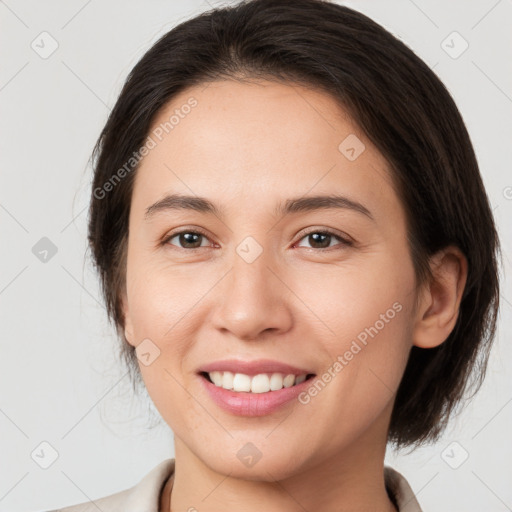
(253,388)
(254,384)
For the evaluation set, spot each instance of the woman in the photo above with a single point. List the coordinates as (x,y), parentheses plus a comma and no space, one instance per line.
(298,252)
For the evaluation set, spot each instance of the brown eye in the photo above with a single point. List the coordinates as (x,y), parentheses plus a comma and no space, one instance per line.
(187,239)
(323,239)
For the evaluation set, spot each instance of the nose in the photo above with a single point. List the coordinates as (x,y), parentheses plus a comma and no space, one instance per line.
(254,300)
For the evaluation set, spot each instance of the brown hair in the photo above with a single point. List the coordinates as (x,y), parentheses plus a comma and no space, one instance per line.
(402,107)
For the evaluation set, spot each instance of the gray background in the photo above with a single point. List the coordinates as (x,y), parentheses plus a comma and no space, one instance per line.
(60,381)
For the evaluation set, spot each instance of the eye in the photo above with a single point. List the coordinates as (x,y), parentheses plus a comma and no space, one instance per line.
(321,239)
(192,239)
(188,238)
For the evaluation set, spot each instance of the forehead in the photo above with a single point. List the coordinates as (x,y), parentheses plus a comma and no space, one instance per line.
(259,140)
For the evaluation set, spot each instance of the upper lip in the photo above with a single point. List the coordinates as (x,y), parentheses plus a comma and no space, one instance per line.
(252,367)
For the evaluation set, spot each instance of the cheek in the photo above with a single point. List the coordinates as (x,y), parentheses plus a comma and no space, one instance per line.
(159,297)
(349,298)
(164,304)
(159,301)
(365,314)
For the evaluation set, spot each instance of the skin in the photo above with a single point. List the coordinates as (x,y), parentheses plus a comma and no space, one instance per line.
(245,147)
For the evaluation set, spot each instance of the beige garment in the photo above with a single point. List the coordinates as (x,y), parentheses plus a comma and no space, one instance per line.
(145,495)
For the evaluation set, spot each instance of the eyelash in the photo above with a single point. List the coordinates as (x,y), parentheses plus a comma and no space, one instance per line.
(343,241)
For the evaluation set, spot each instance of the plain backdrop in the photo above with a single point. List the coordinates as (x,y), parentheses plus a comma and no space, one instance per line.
(63,392)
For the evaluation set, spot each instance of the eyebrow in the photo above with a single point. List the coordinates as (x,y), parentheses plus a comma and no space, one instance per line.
(290,206)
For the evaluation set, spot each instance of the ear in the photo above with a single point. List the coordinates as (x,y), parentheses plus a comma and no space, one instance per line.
(128,325)
(438,310)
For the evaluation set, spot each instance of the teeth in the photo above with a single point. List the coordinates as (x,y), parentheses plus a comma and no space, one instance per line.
(241,382)
(289,381)
(227,380)
(276,382)
(261,383)
(217,378)
(300,378)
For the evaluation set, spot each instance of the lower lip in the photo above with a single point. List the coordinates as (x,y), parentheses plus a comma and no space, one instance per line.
(253,404)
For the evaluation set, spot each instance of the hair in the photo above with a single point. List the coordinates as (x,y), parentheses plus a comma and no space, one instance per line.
(399,104)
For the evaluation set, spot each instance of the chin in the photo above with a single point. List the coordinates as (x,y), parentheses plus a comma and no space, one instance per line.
(259,460)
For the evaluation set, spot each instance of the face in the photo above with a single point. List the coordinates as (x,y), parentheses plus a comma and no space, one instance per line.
(262,276)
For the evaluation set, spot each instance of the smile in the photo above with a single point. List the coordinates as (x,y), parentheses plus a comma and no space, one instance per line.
(260,383)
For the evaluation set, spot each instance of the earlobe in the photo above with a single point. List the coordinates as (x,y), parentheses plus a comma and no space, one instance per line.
(439,310)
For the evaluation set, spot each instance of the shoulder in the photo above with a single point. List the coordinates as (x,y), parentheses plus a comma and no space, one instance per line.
(398,487)
(145,495)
